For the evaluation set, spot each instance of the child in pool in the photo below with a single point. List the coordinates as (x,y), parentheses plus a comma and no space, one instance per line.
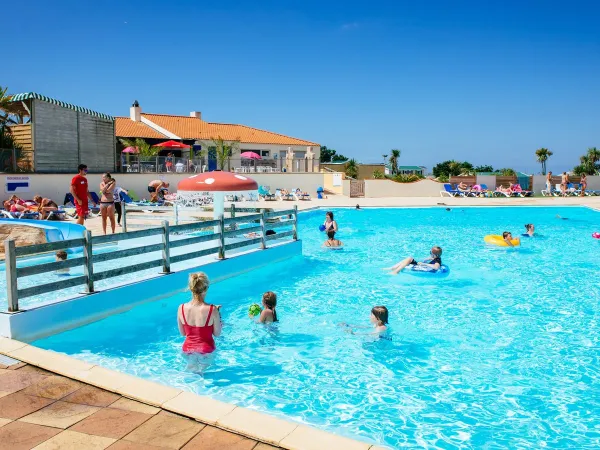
(507,236)
(379,319)
(435,262)
(268,314)
(61,255)
(530,230)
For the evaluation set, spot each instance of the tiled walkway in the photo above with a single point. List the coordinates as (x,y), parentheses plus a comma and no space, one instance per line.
(41,410)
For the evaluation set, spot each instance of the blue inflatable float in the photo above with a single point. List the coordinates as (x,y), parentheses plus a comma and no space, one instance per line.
(428,272)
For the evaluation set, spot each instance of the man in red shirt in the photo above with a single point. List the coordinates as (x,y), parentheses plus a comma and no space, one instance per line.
(80,192)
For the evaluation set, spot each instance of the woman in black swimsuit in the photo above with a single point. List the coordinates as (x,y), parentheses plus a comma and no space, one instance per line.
(107,201)
(330,224)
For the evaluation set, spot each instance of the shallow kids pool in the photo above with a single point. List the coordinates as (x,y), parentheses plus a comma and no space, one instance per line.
(502,353)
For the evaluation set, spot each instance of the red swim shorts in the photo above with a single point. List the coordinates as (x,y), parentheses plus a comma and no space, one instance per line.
(82,209)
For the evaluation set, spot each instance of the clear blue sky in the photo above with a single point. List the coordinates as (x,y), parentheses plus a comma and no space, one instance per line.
(487,82)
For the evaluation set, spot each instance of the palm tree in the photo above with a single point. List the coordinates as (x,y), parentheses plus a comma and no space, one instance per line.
(351,168)
(542,156)
(594,155)
(454,168)
(384,159)
(394,160)
(144,148)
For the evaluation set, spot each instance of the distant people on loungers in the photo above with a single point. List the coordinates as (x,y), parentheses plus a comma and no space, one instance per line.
(45,206)
(564,182)
(330,223)
(508,238)
(17,204)
(530,230)
(583,185)
(268,314)
(549,183)
(81,194)
(434,262)
(107,201)
(331,241)
(463,187)
(379,320)
(119,202)
(199,322)
(61,255)
(503,190)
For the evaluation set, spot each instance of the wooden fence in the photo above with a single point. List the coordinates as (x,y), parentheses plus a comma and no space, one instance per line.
(259,223)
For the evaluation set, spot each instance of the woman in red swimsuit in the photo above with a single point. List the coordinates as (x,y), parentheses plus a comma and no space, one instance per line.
(198,321)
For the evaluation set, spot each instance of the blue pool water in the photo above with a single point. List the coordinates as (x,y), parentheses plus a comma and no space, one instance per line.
(503,353)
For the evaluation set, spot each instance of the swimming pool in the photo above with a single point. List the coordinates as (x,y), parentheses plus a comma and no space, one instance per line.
(502,353)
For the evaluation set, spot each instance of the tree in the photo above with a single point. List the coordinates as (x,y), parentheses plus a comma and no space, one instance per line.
(542,155)
(329,155)
(145,150)
(506,172)
(339,158)
(479,169)
(326,154)
(223,149)
(451,168)
(351,168)
(9,113)
(395,154)
(588,162)
(384,159)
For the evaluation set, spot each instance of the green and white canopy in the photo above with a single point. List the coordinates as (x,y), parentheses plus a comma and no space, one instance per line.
(31,95)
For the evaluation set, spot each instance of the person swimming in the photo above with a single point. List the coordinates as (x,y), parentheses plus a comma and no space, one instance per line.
(379,321)
(268,314)
(530,230)
(434,263)
(508,238)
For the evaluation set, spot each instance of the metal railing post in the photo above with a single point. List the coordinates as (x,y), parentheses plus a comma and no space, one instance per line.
(295,222)
(88,264)
(124,212)
(222,236)
(14,160)
(166,252)
(233,210)
(11,275)
(176,214)
(263,243)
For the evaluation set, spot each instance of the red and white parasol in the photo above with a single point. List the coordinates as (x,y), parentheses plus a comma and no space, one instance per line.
(218,184)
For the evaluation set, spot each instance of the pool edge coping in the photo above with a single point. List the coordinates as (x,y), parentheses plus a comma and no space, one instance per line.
(237,419)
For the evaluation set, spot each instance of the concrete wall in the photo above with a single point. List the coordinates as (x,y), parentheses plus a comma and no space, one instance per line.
(346,188)
(365,171)
(488,180)
(388,188)
(328,185)
(55,186)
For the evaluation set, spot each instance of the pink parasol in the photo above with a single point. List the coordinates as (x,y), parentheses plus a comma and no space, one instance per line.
(131,150)
(250,155)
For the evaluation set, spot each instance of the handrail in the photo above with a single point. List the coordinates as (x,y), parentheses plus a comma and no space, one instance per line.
(169,240)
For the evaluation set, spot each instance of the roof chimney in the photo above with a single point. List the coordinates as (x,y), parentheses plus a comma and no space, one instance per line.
(196,114)
(135,111)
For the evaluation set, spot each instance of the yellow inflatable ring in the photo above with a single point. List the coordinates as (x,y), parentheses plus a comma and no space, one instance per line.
(496,239)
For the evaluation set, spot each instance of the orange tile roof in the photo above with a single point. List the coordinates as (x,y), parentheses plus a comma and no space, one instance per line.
(127,128)
(194,128)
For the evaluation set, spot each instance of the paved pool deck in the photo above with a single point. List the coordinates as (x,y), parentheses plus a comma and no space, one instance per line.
(42,410)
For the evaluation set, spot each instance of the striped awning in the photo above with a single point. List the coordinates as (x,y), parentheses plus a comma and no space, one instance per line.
(30,95)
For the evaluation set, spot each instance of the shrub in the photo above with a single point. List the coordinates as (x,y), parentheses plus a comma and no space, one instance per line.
(407,178)
(378,175)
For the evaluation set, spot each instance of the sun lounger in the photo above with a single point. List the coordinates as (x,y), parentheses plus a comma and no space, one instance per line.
(299,195)
(264,193)
(450,191)
(284,195)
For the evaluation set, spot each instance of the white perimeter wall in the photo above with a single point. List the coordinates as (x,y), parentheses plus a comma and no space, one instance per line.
(488,180)
(388,188)
(55,186)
